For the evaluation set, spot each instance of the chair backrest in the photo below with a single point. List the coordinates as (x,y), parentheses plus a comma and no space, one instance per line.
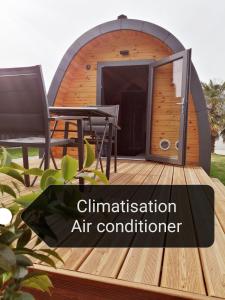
(23,103)
(98,123)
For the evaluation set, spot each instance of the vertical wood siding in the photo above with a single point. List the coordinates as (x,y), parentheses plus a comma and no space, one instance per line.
(78,87)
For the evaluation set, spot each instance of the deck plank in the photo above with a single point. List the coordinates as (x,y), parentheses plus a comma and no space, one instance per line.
(108,261)
(219,196)
(219,185)
(181,266)
(73,258)
(212,258)
(143,265)
(173,271)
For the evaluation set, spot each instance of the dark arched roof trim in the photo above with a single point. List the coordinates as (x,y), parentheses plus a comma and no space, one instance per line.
(172,42)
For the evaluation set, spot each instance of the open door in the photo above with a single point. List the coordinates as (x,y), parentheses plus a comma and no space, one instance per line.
(167,108)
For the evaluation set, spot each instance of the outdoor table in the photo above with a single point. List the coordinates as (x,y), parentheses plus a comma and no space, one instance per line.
(80,114)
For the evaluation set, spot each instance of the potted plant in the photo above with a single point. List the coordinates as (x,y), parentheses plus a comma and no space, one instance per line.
(16,251)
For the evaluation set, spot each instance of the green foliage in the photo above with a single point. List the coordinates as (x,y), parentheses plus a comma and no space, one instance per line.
(215,96)
(4,188)
(15,260)
(218,167)
(12,173)
(16,251)
(27,199)
(6,158)
(49,174)
(69,167)
(17,152)
(90,156)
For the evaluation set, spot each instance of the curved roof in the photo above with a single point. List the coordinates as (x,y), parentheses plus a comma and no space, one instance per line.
(172,42)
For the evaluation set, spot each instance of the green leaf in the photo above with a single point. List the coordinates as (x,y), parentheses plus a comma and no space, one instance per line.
(26,200)
(20,272)
(6,158)
(34,171)
(90,155)
(24,238)
(18,219)
(14,208)
(38,241)
(46,174)
(22,296)
(22,260)
(5,277)
(16,186)
(39,282)
(45,259)
(16,166)
(5,188)
(8,237)
(12,173)
(101,176)
(7,258)
(69,167)
(53,181)
(89,179)
(34,274)
(52,253)
(39,256)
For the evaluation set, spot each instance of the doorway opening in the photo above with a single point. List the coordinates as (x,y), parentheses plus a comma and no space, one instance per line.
(127,86)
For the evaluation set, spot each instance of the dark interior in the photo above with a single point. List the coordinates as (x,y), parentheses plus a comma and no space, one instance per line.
(128,87)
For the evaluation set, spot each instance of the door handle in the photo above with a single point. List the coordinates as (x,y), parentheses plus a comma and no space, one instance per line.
(181,103)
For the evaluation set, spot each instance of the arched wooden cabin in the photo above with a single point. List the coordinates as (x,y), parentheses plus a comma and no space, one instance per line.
(146,70)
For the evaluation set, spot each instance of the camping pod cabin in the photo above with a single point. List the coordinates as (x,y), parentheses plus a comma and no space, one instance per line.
(147,71)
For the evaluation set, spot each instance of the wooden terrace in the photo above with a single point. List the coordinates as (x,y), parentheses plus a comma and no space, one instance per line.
(141,273)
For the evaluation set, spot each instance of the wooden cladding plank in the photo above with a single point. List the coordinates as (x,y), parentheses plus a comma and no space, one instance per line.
(75,285)
(181,266)
(78,87)
(168,111)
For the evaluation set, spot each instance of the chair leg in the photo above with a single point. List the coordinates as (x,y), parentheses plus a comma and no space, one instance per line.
(115,153)
(26,165)
(40,166)
(66,134)
(109,151)
(101,165)
(96,153)
(53,160)
(80,134)
(47,157)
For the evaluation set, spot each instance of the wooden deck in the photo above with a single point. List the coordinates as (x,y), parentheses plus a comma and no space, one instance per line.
(154,273)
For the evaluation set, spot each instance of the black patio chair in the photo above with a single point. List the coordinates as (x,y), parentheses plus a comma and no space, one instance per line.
(24,115)
(96,131)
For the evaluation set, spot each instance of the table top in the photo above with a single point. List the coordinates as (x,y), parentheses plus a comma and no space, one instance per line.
(84,111)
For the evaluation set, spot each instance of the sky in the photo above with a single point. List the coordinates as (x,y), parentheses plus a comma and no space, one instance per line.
(40,31)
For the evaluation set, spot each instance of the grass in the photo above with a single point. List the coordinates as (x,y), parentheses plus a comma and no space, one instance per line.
(218,167)
(17,152)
